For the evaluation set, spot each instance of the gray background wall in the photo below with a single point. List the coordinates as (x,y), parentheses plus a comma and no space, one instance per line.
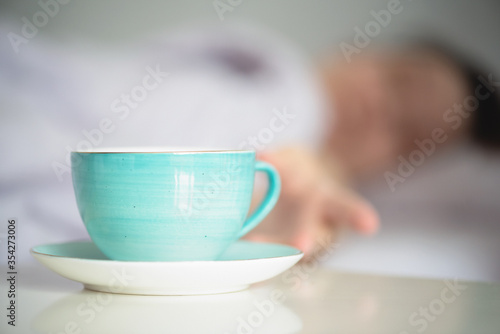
(314,25)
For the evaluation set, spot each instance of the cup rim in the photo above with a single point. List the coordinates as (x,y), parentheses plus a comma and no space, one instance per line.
(182,151)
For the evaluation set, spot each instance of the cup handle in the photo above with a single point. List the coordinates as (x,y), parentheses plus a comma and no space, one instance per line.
(273,193)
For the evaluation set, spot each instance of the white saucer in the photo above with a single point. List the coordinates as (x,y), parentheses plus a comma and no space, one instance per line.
(243,263)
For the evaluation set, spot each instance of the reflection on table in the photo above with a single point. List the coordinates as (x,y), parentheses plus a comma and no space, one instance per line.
(306,299)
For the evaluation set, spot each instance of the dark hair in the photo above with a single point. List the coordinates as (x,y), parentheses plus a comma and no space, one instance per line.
(485,127)
(485,122)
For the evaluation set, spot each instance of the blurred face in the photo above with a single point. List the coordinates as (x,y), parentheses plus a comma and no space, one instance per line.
(383,103)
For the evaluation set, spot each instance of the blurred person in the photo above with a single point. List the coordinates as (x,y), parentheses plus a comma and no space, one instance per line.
(412,97)
(221,88)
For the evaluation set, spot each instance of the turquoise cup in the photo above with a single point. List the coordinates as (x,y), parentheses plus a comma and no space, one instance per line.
(169,206)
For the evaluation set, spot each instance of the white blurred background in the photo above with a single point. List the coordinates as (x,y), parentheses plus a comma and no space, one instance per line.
(314,25)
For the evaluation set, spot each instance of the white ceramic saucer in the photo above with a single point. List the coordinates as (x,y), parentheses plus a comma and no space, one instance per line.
(242,264)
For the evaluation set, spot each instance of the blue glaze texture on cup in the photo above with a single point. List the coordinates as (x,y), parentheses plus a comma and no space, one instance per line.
(180,206)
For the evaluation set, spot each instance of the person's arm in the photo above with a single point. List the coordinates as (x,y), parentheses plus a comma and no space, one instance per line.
(314,204)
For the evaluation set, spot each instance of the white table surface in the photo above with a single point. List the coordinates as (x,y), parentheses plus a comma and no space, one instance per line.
(312,300)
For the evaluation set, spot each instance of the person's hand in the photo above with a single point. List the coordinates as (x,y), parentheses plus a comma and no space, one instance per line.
(313,204)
